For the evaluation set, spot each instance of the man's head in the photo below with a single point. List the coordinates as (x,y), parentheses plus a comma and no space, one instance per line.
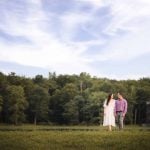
(120,96)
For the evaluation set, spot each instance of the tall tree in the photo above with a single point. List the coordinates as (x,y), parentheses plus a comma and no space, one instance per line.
(60,102)
(3,83)
(16,103)
(13,79)
(1,104)
(142,96)
(38,104)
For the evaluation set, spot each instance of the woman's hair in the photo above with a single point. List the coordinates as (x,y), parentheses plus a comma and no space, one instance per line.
(108,99)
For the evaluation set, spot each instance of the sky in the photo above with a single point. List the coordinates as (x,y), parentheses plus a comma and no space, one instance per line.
(105,38)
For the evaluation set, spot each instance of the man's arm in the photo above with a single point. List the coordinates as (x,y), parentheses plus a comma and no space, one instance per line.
(125,107)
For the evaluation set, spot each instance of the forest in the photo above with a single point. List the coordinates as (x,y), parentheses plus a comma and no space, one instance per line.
(68,99)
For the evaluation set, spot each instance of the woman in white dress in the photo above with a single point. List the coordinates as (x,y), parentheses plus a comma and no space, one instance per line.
(109,112)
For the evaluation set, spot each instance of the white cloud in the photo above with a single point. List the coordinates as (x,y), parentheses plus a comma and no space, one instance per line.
(128,33)
(46,47)
(46,50)
(70,23)
(127,14)
(95,3)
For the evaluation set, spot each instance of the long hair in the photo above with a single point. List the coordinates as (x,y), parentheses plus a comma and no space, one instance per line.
(109,98)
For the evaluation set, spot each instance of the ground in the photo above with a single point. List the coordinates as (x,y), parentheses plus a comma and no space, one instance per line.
(30,137)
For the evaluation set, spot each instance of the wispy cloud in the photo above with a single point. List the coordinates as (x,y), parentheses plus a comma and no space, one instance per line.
(129,29)
(51,35)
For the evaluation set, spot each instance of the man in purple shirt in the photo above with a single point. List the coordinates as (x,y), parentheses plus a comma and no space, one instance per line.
(120,110)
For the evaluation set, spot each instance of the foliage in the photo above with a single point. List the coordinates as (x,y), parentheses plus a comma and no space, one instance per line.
(68,99)
(1,103)
(38,103)
(16,103)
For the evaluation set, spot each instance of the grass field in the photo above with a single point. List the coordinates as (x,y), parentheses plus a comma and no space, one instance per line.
(30,137)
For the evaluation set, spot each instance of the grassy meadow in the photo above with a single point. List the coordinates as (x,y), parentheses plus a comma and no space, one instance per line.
(29,137)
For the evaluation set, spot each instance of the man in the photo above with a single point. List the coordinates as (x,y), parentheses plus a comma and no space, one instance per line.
(120,110)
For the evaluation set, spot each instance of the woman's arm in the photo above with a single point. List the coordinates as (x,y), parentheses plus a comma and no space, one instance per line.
(104,105)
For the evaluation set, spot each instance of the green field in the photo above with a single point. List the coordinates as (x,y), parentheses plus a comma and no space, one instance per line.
(72,138)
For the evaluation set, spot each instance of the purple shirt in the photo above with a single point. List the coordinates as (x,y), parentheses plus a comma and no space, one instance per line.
(121,105)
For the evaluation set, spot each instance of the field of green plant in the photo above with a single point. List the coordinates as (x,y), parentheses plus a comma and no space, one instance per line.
(30,137)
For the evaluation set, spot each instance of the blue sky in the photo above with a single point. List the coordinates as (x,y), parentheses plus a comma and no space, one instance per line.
(106,38)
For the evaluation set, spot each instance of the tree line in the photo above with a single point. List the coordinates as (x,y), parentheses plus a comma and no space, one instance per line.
(67,99)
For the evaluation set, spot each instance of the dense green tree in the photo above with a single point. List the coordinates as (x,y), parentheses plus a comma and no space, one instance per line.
(13,79)
(85,81)
(60,101)
(56,107)
(107,86)
(52,86)
(38,79)
(80,101)
(68,99)
(1,103)
(28,85)
(142,96)
(71,112)
(16,103)
(38,104)
(97,100)
(62,80)
(3,83)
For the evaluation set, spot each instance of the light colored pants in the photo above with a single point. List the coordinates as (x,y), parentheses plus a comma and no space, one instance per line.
(119,119)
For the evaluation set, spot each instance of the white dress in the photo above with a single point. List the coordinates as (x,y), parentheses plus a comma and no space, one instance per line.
(109,118)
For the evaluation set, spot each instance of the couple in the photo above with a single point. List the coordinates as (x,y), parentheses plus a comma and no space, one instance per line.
(114,109)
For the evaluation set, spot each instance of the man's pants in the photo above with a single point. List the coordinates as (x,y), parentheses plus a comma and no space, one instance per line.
(119,119)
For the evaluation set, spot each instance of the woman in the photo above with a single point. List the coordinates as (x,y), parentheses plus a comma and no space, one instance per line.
(109,112)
